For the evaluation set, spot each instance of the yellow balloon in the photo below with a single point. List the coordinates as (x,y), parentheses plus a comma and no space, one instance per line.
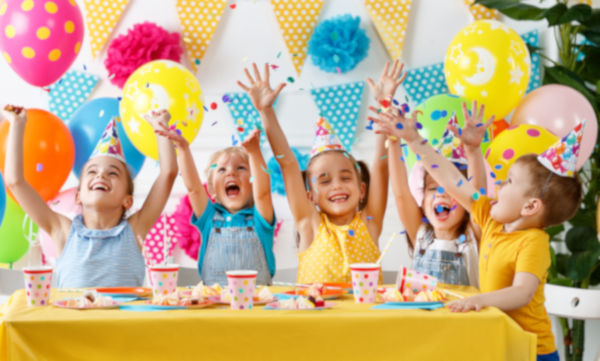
(489,62)
(515,142)
(160,84)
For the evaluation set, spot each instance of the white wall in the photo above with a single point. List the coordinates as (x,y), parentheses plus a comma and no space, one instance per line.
(250,33)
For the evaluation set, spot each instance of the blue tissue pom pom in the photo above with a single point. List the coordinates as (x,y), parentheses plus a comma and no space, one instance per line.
(338,44)
(276,177)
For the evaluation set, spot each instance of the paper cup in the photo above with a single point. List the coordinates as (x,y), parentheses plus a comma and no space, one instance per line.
(364,281)
(37,285)
(163,278)
(241,285)
(414,280)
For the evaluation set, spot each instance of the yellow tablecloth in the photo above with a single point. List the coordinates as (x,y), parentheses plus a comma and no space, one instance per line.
(348,331)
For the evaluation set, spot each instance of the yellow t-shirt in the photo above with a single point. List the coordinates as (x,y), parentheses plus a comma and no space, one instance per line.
(334,249)
(502,255)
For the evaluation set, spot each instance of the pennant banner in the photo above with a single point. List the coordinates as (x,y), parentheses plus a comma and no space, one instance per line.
(390,18)
(535,78)
(199,20)
(297,19)
(244,114)
(340,105)
(425,82)
(480,12)
(69,92)
(101,17)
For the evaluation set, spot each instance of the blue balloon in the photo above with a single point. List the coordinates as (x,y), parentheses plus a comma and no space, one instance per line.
(2,199)
(87,125)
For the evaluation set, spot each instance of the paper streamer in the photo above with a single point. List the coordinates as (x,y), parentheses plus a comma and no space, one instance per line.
(340,105)
(101,17)
(422,83)
(70,92)
(480,12)
(199,20)
(297,19)
(245,116)
(390,18)
(535,79)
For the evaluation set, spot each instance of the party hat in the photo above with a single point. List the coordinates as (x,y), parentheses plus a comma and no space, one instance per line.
(450,146)
(109,143)
(325,138)
(561,157)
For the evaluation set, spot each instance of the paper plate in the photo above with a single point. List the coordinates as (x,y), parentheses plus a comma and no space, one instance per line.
(63,304)
(204,304)
(328,293)
(125,291)
(275,306)
(256,301)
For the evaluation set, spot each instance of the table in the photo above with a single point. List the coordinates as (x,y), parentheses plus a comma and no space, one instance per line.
(349,331)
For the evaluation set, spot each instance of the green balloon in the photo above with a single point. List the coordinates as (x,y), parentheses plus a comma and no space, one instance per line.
(436,112)
(13,240)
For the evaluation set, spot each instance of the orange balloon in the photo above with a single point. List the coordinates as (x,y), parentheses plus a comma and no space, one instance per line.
(49,151)
(497,127)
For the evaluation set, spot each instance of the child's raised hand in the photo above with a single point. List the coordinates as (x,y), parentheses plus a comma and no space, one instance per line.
(395,125)
(252,141)
(172,134)
(388,81)
(473,132)
(15,114)
(156,118)
(260,92)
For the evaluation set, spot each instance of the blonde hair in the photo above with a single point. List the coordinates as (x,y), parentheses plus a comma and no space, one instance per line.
(216,155)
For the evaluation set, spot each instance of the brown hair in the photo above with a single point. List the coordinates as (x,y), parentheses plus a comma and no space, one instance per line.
(561,196)
(361,169)
(216,155)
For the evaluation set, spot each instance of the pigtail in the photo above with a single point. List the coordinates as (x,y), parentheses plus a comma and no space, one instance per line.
(365,177)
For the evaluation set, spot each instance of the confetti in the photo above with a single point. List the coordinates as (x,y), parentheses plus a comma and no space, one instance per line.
(274,67)
(369,218)
(425,220)
(290,79)
(39,167)
(498,166)
(351,232)
(419,125)
(383,156)
(385,103)
(110,76)
(232,6)
(251,179)
(240,129)
(234,141)
(279,156)
(226,98)
(399,126)
(424,141)
(213,166)
(213,123)
(440,190)
(278,55)
(459,131)
(393,138)
(498,182)
(402,158)
(370,125)
(434,166)
(346,155)
(187,40)
(101,114)
(460,182)
(493,175)
(418,157)
(266,170)
(147,85)
(475,196)
(204,107)
(482,191)
(84,67)
(478,125)
(197,61)
(439,208)
(403,232)
(469,179)
(462,238)
(119,98)
(213,106)
(453,207)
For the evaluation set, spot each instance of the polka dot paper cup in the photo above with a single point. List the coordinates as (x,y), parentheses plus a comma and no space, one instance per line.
(37,285)
(163,278)
(364,281)
(414,280)
(241,284)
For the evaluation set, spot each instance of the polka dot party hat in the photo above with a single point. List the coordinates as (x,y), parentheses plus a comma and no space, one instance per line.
(561,157)
(325,138)
(109,143)
(450,146)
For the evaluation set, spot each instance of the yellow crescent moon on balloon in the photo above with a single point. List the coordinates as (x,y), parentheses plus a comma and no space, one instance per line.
(160,97)
(486,67)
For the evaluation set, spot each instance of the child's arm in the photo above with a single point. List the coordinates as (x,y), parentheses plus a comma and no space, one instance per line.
(189,172)
(518,295)
(55,224)
(441,169)
(144,219)
(262,96)
(261,184)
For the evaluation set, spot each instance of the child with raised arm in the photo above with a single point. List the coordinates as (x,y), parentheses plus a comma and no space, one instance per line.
(237,229)
(443,239)
(539,191)
(337,213)
(100,247)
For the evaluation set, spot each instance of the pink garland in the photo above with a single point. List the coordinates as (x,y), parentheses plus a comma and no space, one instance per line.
(142,44)
(188,235)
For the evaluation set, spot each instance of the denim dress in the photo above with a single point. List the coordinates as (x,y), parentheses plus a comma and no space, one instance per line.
(453,262)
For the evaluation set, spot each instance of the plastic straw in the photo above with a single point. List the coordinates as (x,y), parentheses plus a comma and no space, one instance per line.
(387,247)
(165,240)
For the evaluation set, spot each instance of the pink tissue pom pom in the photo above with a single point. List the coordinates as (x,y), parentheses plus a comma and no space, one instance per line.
(188,235)
(142,44)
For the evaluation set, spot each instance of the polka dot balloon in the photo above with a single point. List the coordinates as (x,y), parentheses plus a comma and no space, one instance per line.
(40,39)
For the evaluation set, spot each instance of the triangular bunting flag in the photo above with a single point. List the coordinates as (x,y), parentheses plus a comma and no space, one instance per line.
(480,12)
(69,92)
(297,19)
(199,20)
(101,17)
(587,2)
(535,80)
(244,114)
(390,18)
(425,82)
(340,105)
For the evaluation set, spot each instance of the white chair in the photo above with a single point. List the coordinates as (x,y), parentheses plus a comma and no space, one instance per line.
(10,281)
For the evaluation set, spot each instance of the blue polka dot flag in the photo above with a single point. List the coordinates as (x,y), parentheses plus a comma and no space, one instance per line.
(244,114)
(532,38)
(340,105)
(422,83)
(69,92)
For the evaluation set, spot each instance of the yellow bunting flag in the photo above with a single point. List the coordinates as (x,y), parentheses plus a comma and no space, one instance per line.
(390,18)
(199,20)
(587,2)
(101,17)
(297,19)
(480,12)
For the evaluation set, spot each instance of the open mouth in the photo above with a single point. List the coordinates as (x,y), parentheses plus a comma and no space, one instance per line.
(232,189)
(102,187)
(338,198)
(442,211)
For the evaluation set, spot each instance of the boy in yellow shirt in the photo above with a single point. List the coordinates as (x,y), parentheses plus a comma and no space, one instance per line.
(538,192)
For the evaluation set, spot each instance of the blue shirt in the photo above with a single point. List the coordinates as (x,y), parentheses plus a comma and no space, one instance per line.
(263,229)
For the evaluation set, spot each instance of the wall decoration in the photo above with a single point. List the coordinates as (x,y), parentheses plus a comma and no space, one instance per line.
(390,18)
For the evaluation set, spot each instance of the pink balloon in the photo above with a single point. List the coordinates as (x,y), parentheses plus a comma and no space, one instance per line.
(40,39)
(65,204)
(557,108)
